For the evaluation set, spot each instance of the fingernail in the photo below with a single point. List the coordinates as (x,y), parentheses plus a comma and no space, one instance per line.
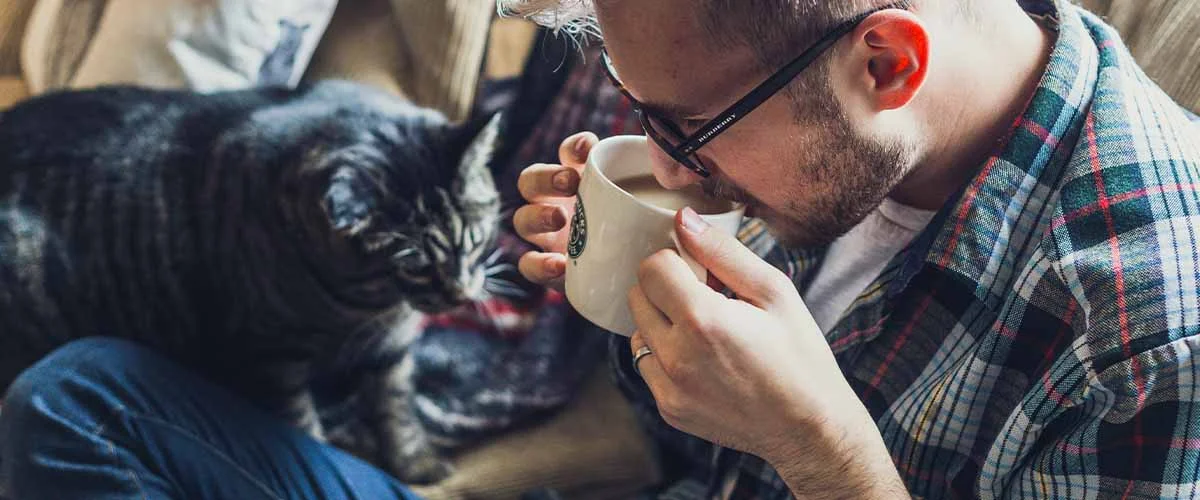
(554,219)
(581,145)
(692,222)
(555,267)
(562,181)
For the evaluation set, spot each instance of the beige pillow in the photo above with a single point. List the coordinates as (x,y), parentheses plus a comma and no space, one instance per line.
(209,45)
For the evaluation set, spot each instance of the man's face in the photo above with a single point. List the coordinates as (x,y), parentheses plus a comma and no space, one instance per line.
(800,166)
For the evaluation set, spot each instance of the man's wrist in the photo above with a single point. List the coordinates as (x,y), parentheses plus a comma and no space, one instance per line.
(828,460)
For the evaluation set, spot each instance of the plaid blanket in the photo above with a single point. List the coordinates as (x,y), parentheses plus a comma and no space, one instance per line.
(503,362)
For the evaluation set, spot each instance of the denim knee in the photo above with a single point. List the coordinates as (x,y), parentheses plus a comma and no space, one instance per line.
(75,387)
(98,362)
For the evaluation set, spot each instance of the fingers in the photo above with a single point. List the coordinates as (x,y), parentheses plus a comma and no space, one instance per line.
(543,268)
(549,189)
(573,152)
(540,223)
(670,286)
(647,317)
(542,180)
(661,387)
(648,366)
(751,278)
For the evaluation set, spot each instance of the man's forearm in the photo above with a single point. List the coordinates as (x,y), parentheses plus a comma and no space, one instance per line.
(838,462)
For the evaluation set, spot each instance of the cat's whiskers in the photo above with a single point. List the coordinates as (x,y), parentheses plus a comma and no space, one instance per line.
(404,253)
(506,211)
(498,269)
(496,254)
(505,288)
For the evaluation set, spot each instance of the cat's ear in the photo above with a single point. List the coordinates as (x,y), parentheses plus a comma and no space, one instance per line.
(350,201)
(474,142)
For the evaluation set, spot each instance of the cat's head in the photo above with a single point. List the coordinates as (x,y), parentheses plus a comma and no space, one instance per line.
(417,198)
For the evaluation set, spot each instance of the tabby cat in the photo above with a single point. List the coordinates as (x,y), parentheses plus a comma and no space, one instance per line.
(252,235)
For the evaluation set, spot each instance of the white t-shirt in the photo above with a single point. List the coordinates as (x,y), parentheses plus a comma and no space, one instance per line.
(856,259)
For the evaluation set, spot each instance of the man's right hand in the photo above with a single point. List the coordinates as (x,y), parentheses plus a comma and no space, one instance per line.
(550,191)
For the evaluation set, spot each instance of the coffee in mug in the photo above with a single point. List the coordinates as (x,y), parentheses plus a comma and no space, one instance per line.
(647,189)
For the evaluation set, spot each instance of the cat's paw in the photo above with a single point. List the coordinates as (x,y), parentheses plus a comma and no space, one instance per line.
(352,436)
(419,465)
(314,429)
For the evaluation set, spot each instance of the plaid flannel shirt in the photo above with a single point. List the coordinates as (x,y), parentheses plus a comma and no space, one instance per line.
(1036,339)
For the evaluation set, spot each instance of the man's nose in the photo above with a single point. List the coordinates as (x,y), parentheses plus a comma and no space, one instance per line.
(668,172)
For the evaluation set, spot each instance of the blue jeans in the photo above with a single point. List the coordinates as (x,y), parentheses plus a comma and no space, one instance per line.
(106,419)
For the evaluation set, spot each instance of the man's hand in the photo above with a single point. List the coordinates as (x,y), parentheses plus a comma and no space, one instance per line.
(550,191)
(752,373)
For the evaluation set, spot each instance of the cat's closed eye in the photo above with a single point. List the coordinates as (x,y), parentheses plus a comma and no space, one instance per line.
(411,260)
(475,236)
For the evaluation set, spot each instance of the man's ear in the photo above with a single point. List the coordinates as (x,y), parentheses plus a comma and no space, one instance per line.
(893,57)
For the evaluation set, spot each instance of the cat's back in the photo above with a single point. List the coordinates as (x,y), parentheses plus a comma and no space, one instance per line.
(97,211)
(116,126)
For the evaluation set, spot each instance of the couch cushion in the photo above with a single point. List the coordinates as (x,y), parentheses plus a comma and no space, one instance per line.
(14,15)
(428,51)
(56,40)
(12,90)
(362,44)
(1164,37)
(593,448)
(445,42)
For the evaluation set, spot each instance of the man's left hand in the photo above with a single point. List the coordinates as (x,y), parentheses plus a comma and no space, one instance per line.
(752,373)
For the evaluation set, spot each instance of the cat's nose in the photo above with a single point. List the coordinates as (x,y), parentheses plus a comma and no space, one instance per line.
(457,295)
(470,285)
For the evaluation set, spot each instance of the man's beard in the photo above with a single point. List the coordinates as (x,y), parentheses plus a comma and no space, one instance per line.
(843,179)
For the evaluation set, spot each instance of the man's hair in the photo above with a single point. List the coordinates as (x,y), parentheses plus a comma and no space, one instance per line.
(795,25)
(572,16)
(777,30)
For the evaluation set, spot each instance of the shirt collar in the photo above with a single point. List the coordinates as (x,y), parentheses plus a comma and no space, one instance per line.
(990,222)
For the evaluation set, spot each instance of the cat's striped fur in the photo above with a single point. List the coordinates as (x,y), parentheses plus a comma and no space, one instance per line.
(252,235)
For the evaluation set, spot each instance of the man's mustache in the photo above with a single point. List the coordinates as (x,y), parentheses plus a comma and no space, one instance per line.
(722,190)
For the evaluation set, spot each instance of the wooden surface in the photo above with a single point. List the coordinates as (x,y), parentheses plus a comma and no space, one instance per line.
(511,40)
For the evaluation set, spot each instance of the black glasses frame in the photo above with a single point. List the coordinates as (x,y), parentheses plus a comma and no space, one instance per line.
(685,152)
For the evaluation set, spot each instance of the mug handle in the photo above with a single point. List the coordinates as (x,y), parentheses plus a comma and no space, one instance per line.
(700,272)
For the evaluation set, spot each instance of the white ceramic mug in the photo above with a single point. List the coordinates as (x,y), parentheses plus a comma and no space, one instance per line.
(612,232)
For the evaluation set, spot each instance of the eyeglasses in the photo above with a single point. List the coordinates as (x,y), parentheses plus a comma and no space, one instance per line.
(682,147)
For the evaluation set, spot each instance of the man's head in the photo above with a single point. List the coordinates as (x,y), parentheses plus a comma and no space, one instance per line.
(817,157)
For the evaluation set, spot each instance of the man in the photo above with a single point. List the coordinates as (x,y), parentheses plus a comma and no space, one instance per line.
(987,216)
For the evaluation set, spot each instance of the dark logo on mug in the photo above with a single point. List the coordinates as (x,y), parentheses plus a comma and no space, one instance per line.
(578,231)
